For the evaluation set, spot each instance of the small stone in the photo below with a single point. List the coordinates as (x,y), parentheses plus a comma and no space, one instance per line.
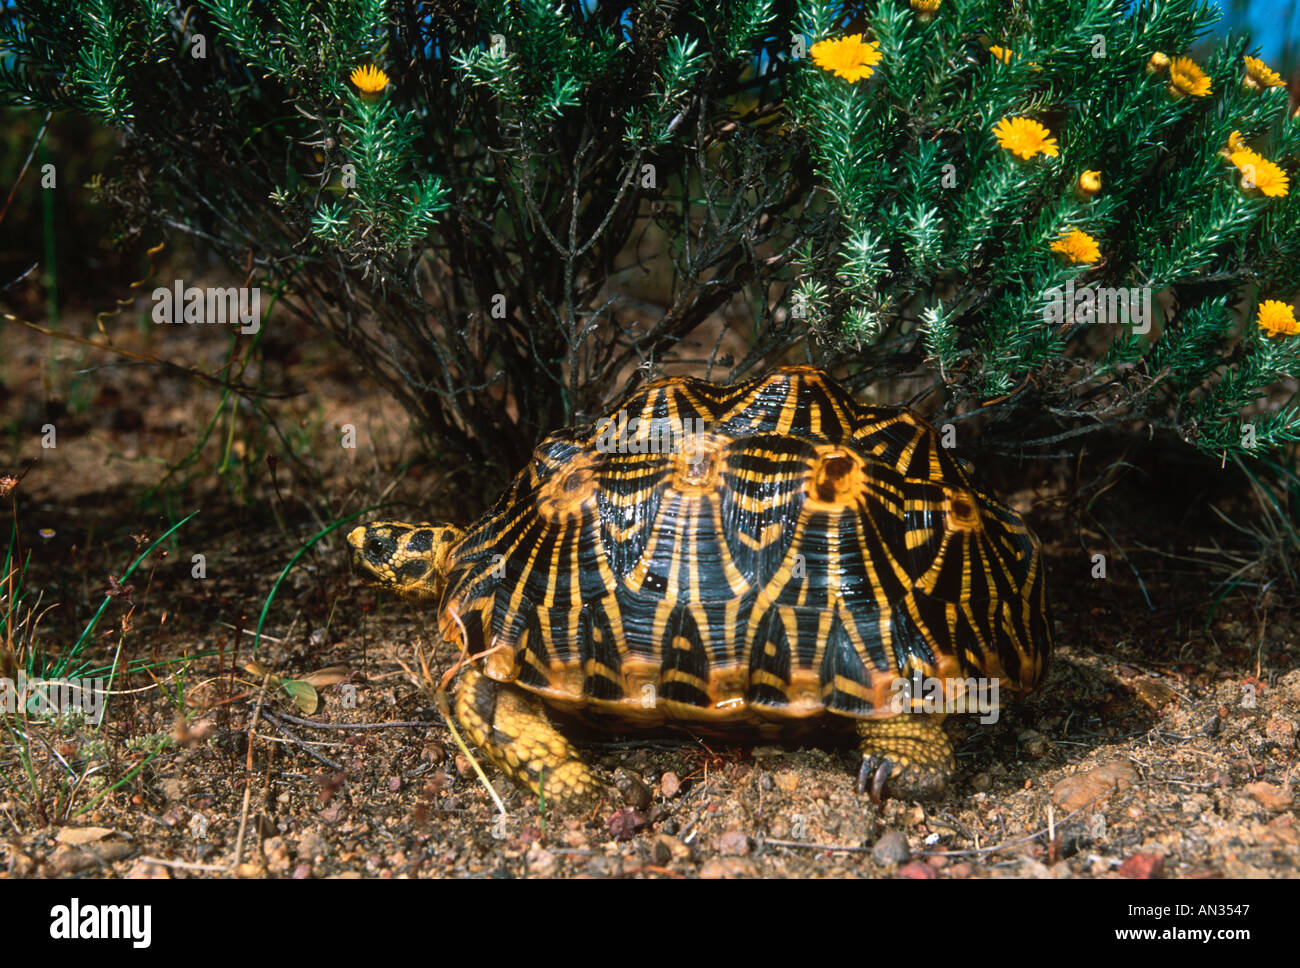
(540,862)
(574,835)
(1270,796)
(733,843)
(918,871)
(960,870)
(1290,684)
(1080,789)
(146,871)
(76,836)
(891,848)
(669,784)
(394,784)
(665,849)
(463,766)
(1033,742)
(1143,866)
(312,846)
(69,860)
(728,867)
(625,822)
(603,866)
(277,855)
(982,782)
(1154,692)
(1281,830)
(1033,869)
(1280,730)
(112,850)
(301,872)
(787,781)
(20,865)
(633,790)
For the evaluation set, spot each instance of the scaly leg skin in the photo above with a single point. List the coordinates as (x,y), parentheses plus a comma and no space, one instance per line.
(512,729)
(908,757)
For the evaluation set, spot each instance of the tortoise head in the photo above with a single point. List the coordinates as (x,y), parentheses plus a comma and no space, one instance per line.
(409,559)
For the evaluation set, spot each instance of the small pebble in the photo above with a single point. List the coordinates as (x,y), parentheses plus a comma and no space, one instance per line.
(729,867)
(540,862)
(733,843)
(891,848)
(633,790)
(624,823)
(669,784)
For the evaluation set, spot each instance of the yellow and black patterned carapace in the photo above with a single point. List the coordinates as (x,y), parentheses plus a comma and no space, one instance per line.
(768,556)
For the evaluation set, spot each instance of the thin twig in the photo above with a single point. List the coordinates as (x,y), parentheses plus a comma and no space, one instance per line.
(248,775)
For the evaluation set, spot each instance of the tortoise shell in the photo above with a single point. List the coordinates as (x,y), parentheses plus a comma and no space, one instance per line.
(761,553)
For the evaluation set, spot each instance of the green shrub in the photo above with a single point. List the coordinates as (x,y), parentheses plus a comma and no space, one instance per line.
(469,214)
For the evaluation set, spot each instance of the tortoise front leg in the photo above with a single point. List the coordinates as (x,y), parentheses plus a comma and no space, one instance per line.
(908,757)
(512,729)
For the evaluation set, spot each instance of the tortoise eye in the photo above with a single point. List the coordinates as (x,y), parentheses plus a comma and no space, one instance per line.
(375,548)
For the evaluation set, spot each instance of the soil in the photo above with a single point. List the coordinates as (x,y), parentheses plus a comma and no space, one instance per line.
(1163,743)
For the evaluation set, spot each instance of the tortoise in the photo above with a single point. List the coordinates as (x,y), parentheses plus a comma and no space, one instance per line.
(768,558)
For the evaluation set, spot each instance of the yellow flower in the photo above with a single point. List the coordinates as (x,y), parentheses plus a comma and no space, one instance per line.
(1001,53)
(1078,247)
(1089,184)
(1259,75)
(1277,318)
(1025,137)
(1259,174)
(1186,77)
(369,79)
(1270,179)
(1235,145)
(926,8)
(848,57)
(1157,63)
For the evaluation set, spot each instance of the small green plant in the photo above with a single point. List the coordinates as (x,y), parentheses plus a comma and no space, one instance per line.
(52,780)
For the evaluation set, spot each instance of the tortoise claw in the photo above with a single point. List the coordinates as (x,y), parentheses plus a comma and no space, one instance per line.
(878,769)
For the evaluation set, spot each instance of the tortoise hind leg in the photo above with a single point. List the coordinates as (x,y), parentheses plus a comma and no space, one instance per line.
(512,729)
(908,757)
